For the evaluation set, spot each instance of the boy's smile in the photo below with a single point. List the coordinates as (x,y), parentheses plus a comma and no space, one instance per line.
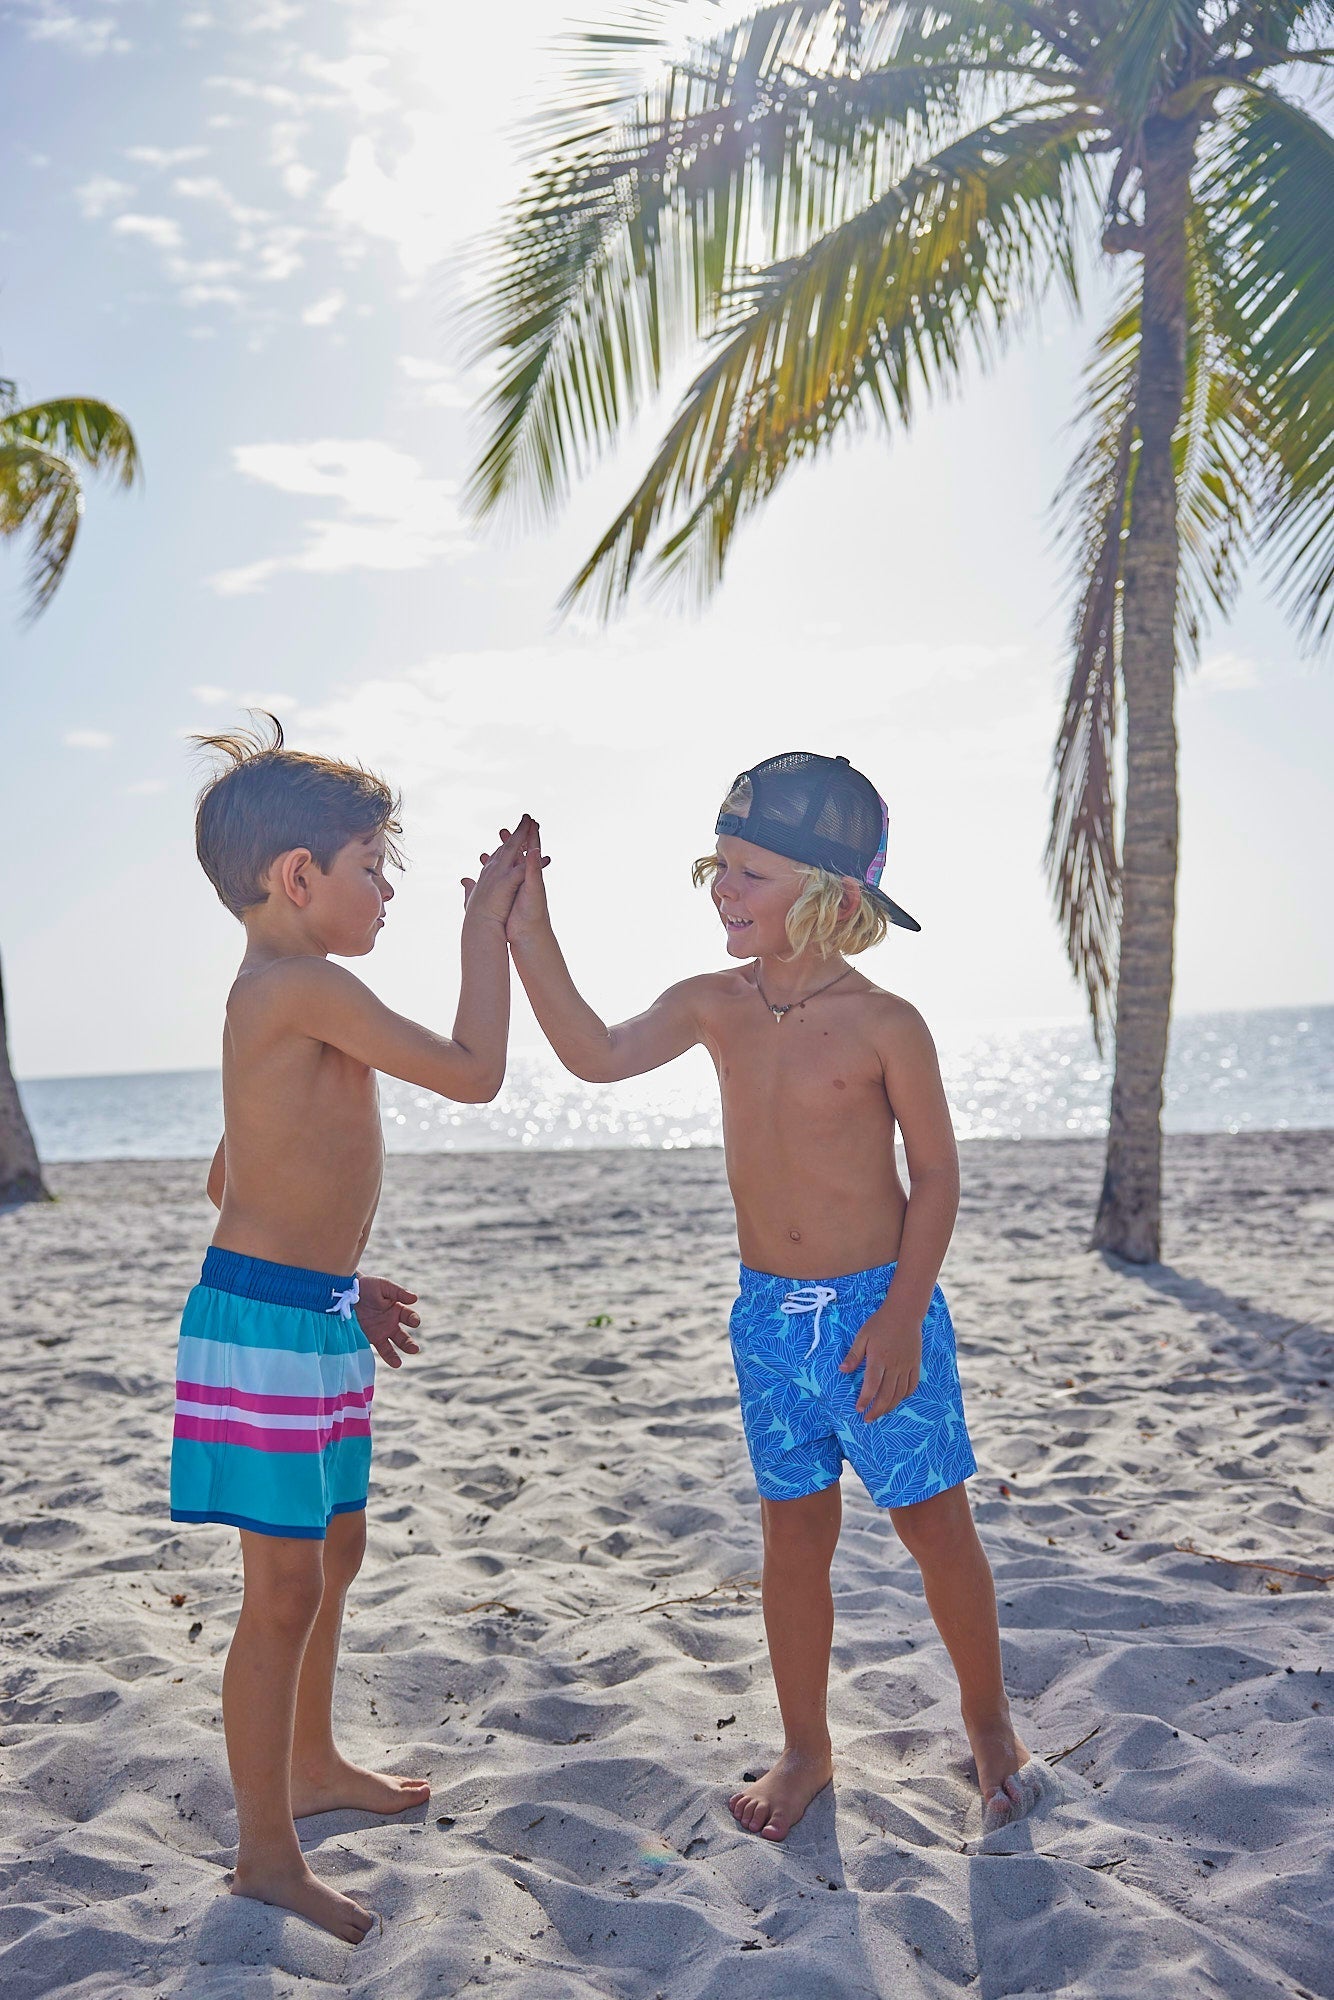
(753,891)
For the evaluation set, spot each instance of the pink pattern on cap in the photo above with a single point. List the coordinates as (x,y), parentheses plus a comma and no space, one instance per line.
(877,867)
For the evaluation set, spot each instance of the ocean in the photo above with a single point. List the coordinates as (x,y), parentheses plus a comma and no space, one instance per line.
(1269,1070)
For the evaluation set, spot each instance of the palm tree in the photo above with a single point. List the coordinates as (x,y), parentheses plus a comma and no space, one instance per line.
(42,447)
(845,200)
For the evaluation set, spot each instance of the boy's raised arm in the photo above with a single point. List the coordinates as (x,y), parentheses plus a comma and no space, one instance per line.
(580,1037)
(333,1006)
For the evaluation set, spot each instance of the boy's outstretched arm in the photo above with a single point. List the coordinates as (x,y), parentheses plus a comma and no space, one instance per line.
(580,1037)
(315,998)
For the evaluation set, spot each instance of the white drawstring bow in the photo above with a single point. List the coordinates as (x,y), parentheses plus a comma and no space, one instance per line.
(344,1301)
(810,1299)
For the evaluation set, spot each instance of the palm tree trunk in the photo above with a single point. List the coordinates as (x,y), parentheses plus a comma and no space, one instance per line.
(1129,1211)
(20,1171)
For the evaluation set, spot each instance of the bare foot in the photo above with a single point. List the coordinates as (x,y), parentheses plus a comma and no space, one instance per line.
(345,1787)
(773,1804)
(1006,1776)
(292,1886)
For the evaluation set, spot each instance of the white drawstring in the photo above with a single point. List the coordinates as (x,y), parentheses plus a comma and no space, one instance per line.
(810,1299)
(344,1301)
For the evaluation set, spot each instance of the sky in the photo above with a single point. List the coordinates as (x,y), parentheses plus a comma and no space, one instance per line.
(253,228)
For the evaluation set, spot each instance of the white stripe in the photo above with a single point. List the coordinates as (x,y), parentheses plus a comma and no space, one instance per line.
(266,1420)
(272,1371)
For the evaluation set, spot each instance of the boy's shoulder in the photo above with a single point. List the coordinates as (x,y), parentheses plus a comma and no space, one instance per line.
(283,993)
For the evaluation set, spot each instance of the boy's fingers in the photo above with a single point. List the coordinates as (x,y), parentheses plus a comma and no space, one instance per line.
(854,1357)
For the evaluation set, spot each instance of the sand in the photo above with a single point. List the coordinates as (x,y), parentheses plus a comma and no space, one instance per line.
(557,1620)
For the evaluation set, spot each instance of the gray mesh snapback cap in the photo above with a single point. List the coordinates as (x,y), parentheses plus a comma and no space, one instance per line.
(817,810)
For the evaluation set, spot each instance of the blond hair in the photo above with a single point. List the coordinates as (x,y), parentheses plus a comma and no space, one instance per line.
(814,918)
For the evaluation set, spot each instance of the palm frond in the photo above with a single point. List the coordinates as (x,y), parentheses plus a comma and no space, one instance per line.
(880,310)
(1219,462)
(1138,59)
(40,496)
(636,226)
(78,428)
(1271,197)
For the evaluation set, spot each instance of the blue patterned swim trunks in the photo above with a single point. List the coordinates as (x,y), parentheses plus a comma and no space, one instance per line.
(789,1336)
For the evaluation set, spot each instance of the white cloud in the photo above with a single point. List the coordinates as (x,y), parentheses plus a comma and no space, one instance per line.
(408,204)
(209,694)
(87,739)
(86,35)
(158,230)
(164,156)
(324,310)
(438,385)
(388,514)
(1225,673)
(145,788)
(102,192)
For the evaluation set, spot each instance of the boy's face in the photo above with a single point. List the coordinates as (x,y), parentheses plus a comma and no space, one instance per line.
(753,892)
(347,904)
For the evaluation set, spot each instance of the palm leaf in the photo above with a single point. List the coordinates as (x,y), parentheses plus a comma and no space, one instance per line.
(1139,59)
(1272,195)
(78,428)
(640,220)
(1219,466)
(39,495)
(881,309)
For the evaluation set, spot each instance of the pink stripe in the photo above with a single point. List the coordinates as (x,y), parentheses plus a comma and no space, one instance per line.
(276,1406)
(225,1430)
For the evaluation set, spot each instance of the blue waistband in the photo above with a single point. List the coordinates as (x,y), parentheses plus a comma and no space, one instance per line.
(847,1286)
(271,1284)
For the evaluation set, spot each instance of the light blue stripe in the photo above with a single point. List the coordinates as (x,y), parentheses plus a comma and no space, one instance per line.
(295,1487)
(211,1315)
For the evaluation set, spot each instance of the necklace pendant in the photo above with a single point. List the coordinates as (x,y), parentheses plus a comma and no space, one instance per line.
(778,1012)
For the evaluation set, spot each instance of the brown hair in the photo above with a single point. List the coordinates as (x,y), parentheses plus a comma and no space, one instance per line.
(267,800)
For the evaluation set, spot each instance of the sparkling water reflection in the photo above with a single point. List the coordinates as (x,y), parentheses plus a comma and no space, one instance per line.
(1226,1073)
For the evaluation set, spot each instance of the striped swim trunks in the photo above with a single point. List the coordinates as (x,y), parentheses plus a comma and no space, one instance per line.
(274,1380)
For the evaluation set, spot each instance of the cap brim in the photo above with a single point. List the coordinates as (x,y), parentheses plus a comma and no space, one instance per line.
(891,908)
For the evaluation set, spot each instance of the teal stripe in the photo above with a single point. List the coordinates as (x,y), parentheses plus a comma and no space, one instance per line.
(297,1488)
(222,1316)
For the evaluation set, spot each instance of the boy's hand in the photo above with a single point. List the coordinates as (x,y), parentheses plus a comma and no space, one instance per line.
(384,1317)
(528,911)
(892,1353)
(492,892)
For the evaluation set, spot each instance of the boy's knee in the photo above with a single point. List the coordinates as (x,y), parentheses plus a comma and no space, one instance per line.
(344,1548)
(809,1524)
(934,1526)
(284,1582)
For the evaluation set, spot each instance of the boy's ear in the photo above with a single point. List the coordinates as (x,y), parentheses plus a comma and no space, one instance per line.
(289,876)
(851,899)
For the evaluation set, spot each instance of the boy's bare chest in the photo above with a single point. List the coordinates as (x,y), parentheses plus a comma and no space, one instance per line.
(805,1063)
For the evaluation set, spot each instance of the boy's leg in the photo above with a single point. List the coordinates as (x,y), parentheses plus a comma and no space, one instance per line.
(283,1587)
(800,1537)
(961,1596)
(322,1778)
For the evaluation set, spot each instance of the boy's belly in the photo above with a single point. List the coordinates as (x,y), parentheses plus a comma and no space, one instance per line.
(311,1206)
(813,1211)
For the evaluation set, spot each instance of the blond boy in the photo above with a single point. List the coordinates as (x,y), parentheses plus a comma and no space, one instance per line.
(841,1337)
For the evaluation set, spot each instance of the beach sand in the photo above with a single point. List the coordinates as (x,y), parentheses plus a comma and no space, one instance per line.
(558,1622)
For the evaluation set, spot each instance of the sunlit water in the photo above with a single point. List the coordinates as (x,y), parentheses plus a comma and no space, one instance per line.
(1259,1071)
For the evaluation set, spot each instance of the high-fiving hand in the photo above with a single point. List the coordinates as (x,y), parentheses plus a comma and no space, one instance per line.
(492,892)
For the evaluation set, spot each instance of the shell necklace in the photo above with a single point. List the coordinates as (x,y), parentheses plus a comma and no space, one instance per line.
(778,1012)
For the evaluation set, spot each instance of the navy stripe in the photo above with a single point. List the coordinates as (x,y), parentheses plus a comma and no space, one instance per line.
(270,1284)
(268,1527)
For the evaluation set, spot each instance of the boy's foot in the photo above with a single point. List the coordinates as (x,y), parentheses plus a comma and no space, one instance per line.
(1006,1776)
(295,1887)
(345,1787)
(773,1804)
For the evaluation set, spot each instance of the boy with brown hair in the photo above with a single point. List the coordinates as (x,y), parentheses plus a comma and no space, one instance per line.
(276,1357)
(841,1338)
